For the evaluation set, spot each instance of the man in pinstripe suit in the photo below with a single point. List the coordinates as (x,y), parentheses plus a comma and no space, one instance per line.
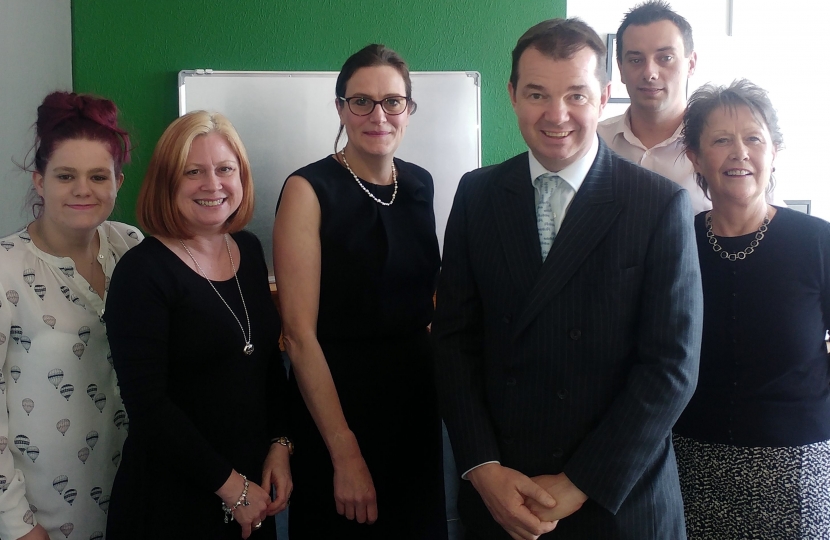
(568,318)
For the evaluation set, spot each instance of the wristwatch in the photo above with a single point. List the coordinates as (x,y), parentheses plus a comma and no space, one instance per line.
(286,442)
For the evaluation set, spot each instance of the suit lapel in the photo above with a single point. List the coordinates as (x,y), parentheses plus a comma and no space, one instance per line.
(515,218)
(591,214)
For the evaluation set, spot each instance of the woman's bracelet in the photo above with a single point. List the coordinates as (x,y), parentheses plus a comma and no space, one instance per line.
(242,501)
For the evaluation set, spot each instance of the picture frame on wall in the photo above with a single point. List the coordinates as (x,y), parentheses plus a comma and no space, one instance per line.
(801,205)
(619,94)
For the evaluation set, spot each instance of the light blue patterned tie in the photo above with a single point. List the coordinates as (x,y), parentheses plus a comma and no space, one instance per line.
(547,184)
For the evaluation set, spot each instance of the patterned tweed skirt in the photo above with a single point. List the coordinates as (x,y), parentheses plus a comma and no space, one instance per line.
(754,493)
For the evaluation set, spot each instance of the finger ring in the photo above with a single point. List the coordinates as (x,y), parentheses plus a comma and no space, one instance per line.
(258,525)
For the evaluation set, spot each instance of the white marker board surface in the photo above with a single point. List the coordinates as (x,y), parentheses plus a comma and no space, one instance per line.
(288,119)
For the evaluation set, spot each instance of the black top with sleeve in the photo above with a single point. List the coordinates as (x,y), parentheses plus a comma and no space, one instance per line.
(764,371)
(198,406)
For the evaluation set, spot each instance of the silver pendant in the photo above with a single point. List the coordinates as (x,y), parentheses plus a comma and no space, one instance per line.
(249,349)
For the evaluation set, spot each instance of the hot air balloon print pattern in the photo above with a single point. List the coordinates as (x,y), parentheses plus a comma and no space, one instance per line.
(22,443)
(92,439)
(48,319)
(13,297)
(67,529)
(97,535)
(41,322)
(119,417)
(100,401)
(55,377)
(59,483)
(24,235)
(29,517)
(104,503)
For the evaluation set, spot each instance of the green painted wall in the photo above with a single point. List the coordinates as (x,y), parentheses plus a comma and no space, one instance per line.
(131,52)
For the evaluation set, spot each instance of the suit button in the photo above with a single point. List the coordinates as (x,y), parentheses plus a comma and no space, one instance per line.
(506,318)
(575,334)
(562,394)
(557,452)
(511,381)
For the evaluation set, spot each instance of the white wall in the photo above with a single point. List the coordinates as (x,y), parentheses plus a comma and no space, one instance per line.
(779,46)
(35,59)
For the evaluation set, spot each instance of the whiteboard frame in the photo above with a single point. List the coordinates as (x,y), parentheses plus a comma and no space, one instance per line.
(442,160)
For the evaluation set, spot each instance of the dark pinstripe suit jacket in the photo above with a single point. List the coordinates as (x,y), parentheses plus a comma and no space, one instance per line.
(581,364)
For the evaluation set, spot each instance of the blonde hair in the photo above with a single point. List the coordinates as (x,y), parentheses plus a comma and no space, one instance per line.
(157,211)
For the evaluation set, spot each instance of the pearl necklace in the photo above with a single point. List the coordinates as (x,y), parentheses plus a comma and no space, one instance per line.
(741,254)
(369,193)
(248,349)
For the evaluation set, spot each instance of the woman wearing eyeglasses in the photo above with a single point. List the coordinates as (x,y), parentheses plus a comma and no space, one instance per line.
(356,260)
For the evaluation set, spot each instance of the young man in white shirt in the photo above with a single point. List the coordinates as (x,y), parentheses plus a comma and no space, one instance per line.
(655,56)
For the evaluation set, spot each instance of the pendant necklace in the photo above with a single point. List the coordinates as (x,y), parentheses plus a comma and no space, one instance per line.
(248,349)
(369,193)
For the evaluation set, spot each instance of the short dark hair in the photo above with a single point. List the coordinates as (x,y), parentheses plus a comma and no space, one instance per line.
(708,98)
(370,56)
(651,12)
(560,39)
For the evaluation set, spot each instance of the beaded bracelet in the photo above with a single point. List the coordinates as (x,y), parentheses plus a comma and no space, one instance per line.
(242,501)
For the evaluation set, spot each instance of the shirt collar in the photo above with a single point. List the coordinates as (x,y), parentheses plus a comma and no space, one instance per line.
(575,173)
(624,127)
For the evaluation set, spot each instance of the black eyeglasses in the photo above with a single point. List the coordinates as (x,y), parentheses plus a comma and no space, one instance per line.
(363,106)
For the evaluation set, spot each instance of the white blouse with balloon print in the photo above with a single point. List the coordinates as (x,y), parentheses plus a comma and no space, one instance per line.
(60,443)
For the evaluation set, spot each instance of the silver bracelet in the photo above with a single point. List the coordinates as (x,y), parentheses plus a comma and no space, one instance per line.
(242,501)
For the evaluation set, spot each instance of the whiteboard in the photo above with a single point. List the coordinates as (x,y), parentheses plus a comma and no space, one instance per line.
(288,119)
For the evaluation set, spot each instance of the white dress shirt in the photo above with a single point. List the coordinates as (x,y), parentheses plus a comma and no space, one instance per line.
(574,174)
(666,158)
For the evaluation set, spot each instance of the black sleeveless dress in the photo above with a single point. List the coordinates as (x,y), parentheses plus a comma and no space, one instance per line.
(379,266)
